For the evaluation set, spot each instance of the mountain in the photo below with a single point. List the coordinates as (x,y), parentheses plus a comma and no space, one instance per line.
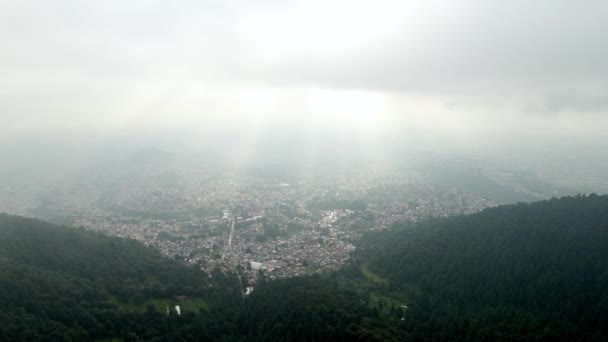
(520,272)
(505,184)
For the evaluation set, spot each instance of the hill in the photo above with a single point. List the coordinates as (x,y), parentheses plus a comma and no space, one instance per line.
(512,272)
(68,283)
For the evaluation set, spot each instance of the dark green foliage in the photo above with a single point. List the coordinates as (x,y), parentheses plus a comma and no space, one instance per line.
(66,281)
(315,308)
(513,272)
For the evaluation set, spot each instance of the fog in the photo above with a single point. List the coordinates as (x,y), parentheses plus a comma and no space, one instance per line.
(510,82)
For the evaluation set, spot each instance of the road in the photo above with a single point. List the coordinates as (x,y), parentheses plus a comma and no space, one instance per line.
(231,233)
(229,238)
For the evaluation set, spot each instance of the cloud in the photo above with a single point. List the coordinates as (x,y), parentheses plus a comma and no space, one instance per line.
(117,40)
(487,48)
(404,46)
(572,102)
(106,64)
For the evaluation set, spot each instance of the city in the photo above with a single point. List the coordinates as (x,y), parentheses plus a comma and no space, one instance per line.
(247,224)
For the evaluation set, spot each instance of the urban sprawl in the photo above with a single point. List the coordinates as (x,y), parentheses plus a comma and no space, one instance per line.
(246,224)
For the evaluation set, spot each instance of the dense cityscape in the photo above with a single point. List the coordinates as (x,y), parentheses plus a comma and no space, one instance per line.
(248,224)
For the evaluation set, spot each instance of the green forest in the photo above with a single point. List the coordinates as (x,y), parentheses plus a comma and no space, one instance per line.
(519,272)
(515,272)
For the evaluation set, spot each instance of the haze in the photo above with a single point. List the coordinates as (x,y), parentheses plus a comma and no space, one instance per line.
(515,81)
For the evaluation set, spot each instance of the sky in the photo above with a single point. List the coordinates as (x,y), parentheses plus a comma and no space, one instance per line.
(448,73)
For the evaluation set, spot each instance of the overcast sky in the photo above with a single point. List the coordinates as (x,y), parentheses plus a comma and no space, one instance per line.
(466,70)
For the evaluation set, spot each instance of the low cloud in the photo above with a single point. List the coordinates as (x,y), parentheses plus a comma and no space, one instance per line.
(110,66)
(572,103)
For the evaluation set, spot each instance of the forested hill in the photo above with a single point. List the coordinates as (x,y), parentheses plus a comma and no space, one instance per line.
(525,270)
(123,265)
(521,272)
(66,283)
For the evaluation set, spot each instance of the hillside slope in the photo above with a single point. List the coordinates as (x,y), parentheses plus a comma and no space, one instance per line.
(510,272)
(74,284)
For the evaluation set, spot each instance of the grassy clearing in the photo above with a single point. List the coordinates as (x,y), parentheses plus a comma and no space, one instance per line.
(371,275)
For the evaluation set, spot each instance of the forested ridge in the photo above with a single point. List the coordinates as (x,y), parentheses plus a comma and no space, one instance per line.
(520,272)
(512,272)
(63,283)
